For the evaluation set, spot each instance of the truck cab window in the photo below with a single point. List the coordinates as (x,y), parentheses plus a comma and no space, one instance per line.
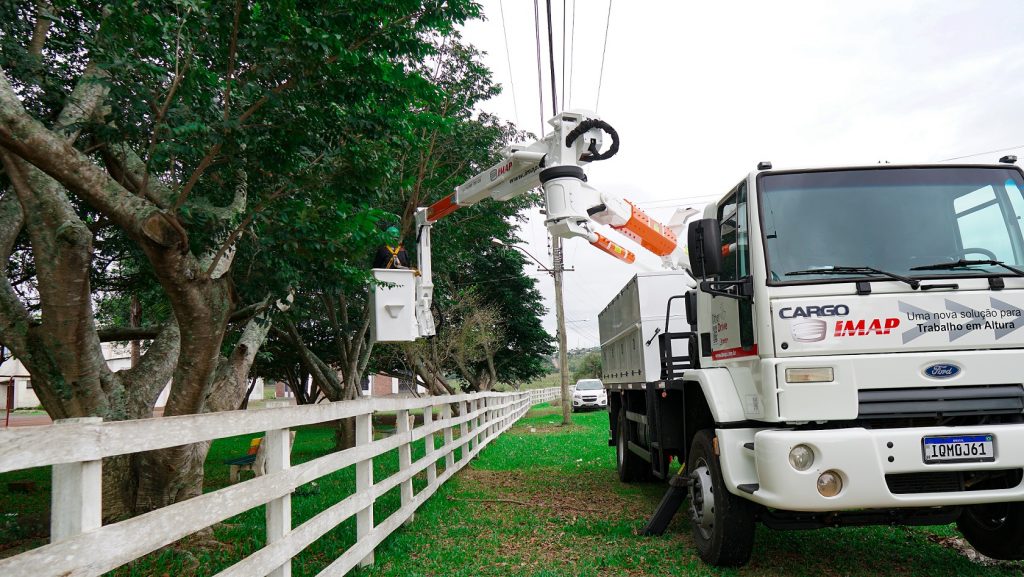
(732,214)
(975,213)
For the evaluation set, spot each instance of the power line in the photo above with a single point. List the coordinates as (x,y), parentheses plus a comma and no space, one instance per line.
(551,61)
(563,50)
(540,74)
(604,51)
(572,58)
(508,60)
(983,153)
(666,202)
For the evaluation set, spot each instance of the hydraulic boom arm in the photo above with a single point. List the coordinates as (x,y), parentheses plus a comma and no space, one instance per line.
(572,206)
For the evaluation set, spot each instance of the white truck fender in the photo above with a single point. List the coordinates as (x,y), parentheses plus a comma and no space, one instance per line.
(720,392)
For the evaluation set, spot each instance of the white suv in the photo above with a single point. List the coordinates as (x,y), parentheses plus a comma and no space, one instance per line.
(589,394)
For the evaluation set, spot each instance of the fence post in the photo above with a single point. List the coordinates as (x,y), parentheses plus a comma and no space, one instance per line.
(478,426)
(486,434)
(279,511)
(405,457)
(364,482)
(472,426)
(76,494)
(449,456)
(464,409)
(428,445)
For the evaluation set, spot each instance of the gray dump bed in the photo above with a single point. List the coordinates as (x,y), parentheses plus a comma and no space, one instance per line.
(629,326)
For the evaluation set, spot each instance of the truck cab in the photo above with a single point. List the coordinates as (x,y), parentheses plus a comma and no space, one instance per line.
(852,356)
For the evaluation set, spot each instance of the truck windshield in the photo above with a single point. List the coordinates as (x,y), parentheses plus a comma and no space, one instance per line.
(891,219)
(589,385)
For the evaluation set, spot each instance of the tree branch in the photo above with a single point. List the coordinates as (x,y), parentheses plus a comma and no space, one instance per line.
(11,220)
(196,174)
(41,30)
(238,230)
(156,366)
(232,49)
(179,73)
(14,318)
(29,139)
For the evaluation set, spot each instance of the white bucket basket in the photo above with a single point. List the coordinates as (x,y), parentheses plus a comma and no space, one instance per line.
(394,315)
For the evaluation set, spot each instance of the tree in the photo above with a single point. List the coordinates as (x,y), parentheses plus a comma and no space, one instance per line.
(447,143)
(179,140)
(589,367)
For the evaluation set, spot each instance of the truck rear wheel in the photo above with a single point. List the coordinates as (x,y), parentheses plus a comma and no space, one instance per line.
(995,530)
(631,467)
(723,524)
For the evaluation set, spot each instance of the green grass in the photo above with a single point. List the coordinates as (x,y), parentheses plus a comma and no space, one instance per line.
(542,500)
(545,501)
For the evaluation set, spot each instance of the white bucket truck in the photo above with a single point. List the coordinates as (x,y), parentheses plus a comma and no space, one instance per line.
(856,357)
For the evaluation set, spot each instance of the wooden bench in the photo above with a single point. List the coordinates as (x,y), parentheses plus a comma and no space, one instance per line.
(247,462)
(255,459)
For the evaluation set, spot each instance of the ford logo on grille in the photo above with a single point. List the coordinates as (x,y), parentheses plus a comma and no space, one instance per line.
(942,371)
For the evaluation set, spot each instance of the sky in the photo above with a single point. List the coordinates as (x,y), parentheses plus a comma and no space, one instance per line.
(701,92)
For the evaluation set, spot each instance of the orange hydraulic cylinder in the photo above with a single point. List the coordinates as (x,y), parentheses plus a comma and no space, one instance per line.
(442,208)
(613,249)
(648,232)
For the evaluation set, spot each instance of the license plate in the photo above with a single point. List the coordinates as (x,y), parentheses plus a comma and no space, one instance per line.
(962,449)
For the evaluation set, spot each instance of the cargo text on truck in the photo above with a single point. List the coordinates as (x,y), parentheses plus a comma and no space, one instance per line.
(830,347)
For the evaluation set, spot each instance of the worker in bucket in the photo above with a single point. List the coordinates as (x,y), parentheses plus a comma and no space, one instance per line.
(391,255)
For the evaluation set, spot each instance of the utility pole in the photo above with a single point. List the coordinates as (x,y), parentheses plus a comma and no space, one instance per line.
(558,266)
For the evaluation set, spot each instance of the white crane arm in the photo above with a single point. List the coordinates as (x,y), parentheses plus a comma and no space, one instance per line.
(572,206)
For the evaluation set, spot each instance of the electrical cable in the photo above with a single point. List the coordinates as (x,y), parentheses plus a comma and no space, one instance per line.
(551,61)
(508,60)
(540,73)
(604,51)
(983,153)
(572,59)
(696,198)
(563,50)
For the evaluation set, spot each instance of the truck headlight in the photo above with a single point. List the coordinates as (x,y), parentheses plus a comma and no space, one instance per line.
(810,375)
(801,457)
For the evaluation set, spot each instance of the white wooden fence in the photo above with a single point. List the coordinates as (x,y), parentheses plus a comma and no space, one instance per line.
(80,545)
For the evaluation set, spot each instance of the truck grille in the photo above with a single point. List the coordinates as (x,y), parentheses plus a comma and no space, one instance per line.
(939,482)
(951,481)
(589,399)
(940,401)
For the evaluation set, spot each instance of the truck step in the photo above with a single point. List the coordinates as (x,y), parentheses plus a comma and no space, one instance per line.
(749,487)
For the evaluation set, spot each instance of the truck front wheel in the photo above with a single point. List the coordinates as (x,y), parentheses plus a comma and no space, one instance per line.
(995,530)
(723,524)
(631,467)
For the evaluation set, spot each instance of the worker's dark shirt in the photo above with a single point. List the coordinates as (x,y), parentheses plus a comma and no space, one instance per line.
(383,259)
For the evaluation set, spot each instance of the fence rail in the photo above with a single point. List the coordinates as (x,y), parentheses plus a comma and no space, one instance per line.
(81,546)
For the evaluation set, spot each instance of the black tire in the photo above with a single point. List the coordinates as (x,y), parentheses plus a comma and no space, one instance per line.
(723,529)
(632,467)
(995,530)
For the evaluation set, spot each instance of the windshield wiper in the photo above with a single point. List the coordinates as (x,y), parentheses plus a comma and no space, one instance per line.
(963,263)
(914,284)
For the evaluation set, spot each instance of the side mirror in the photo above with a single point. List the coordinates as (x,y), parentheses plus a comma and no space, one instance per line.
(704,240)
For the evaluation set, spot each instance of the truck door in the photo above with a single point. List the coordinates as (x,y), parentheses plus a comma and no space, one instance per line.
(732,320)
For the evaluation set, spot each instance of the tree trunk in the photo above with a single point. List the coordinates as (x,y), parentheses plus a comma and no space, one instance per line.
(170,475)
